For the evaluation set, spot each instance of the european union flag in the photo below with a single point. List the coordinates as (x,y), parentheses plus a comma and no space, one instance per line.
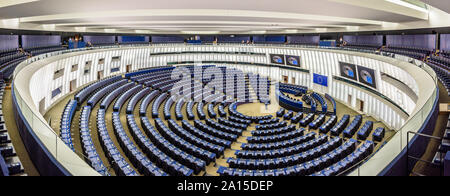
(321,80)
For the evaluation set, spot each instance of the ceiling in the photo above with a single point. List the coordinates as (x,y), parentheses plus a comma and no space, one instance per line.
(212,16)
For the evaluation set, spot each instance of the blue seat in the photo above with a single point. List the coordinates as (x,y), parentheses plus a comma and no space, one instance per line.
(378,134)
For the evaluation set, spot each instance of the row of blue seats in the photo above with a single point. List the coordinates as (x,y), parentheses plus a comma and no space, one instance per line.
(211,112)
(300,89)
(215,132)
(303,169)
(9,162)
(146,102)
(411,48)
(318,122)
(83,94)
(416,55)
(94,99)
(288,115)
(7,52)
(191,164)
(66,123)
(118,162)
(275,138)
(200,112)
(87,144)
(153,152)
(136,98)
(345,165)
(239,120)
(114,94)
(441,60)
(325,128)
(366,129)
(333,102)
(323,147)
(233,124)
(353,127)
(199,142)
(152,80)
(149,75)
(272,126)
(167,107)
(41,50)
(221,110)
(178,106)
(7,68)
(136,157)
(189,110)
(321,101)
(157,104)
(223,128)
(282,152)
(232,109)
(125,96)
(307,120)
(146,72)
(275,131)
(442,70)
(207,136)
(10,57)
(278,144)
(340,126)
(269,121)
(288,102)
(309,100)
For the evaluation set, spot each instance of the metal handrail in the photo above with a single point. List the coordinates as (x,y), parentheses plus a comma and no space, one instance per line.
(440,139)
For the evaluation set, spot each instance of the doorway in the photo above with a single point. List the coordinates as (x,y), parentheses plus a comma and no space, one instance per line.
(73,85)
(349,100)
(360,105)
(128,68)
(99,75)
(285,79)
(293,80)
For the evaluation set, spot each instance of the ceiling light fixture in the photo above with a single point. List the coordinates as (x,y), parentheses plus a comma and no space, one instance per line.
(408,5)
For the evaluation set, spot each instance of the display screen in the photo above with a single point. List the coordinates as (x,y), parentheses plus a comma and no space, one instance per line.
(348,70)
(367,76)
(293,60)
(277,59)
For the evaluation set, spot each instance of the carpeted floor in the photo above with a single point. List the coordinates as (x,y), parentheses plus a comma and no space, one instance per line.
(13,132)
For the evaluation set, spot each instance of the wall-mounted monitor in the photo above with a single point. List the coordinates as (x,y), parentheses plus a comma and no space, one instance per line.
(277,59)
(348,70)
(367,76)
(293,60)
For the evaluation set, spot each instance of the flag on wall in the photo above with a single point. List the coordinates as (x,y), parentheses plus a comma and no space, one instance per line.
(321,79)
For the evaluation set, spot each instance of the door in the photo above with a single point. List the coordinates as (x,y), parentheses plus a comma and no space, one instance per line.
(128,68)
(349,100)
(73,85)
(99,75)
(361,105)
(293,80)
(285,79)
